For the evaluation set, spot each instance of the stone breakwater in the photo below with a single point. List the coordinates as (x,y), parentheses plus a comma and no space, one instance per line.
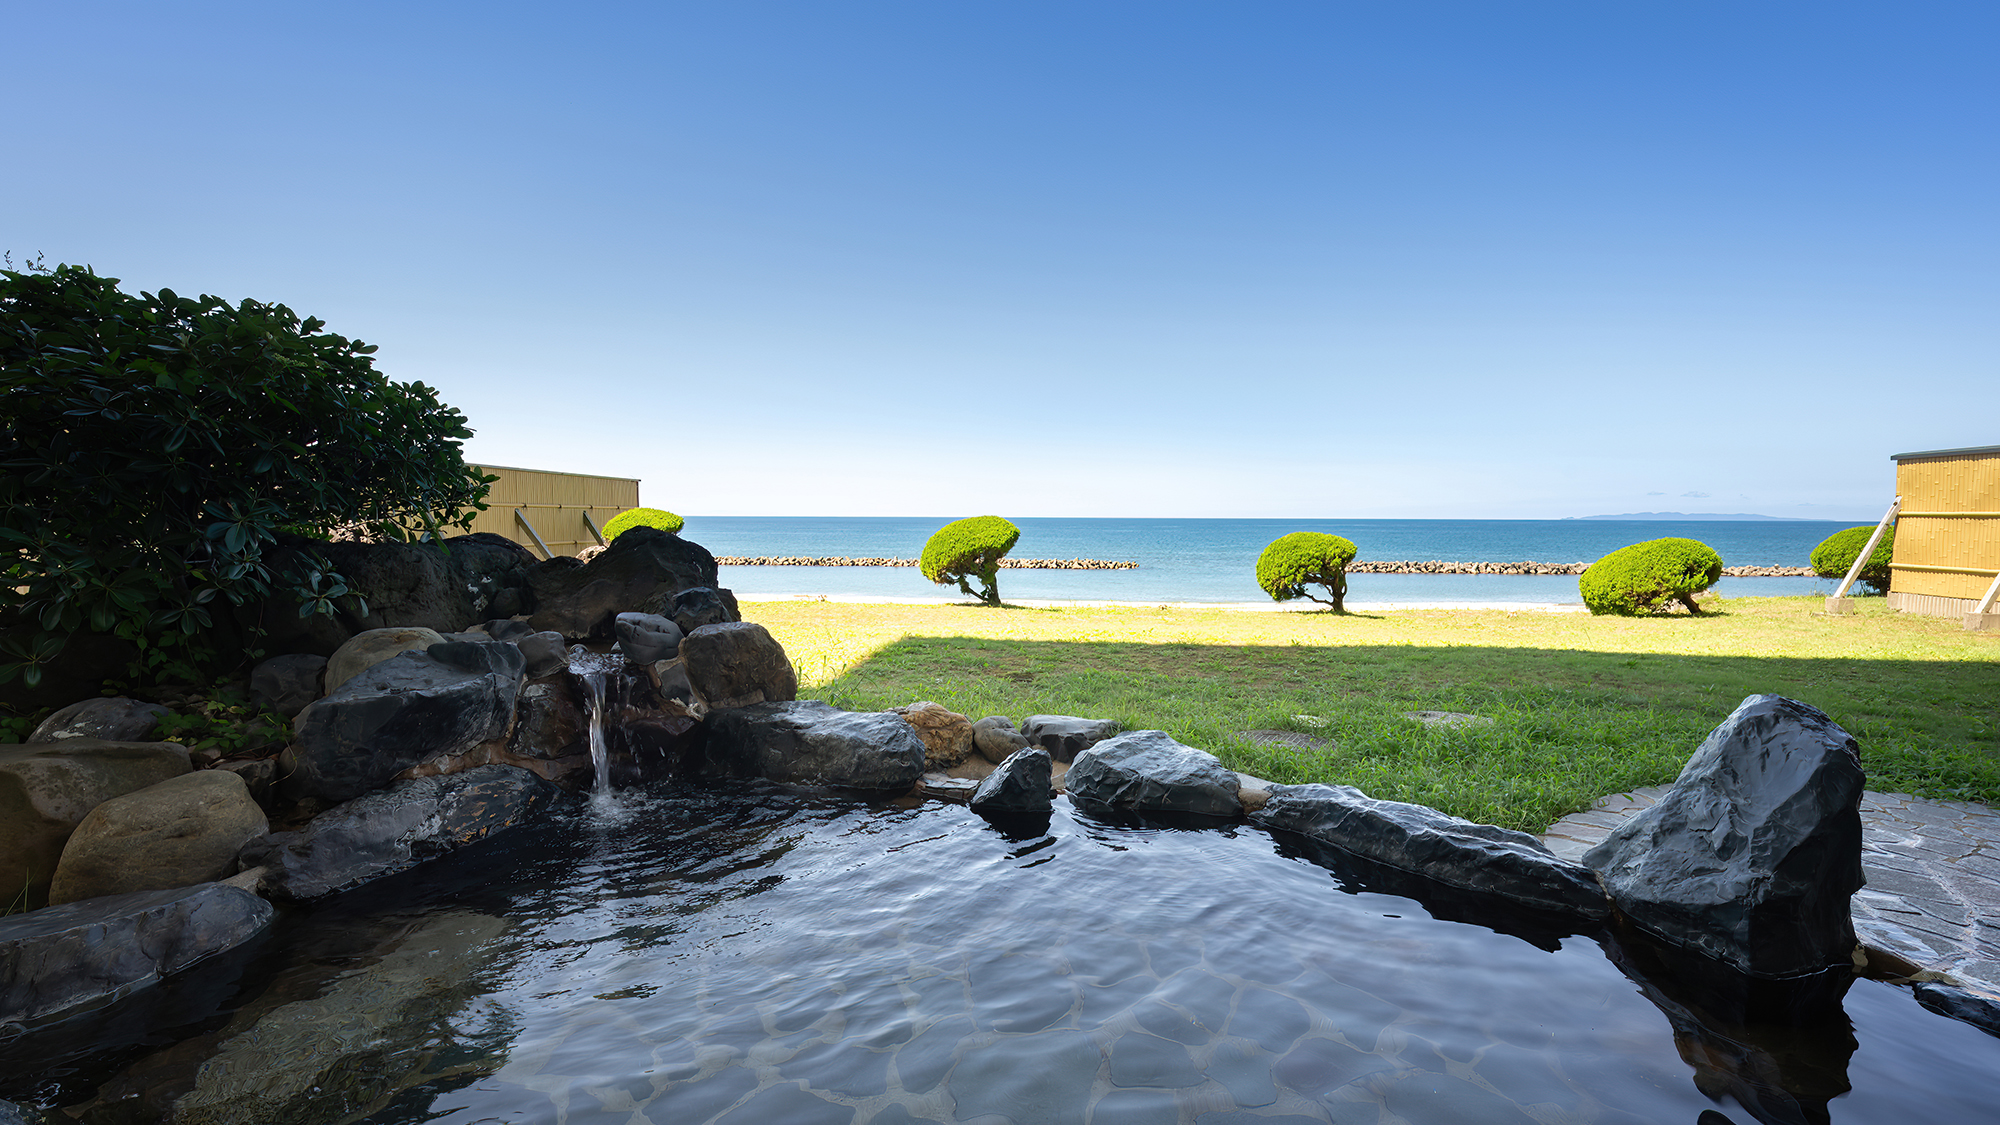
(831,560)
(1531,567)
(1434,566)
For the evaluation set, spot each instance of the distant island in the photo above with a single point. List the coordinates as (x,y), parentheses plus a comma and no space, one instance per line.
(1697,516)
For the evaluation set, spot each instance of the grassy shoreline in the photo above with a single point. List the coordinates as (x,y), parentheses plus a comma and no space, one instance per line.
(1582,706)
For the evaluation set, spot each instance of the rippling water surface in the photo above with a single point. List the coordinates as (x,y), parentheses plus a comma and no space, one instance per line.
(745,955)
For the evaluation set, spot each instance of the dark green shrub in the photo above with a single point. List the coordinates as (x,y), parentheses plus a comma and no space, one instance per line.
(1306,558)
(1837,552)
(642,517)
(153,448)
(967,549)
(1648,577)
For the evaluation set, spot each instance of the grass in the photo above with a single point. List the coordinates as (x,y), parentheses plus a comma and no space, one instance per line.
(1583,706)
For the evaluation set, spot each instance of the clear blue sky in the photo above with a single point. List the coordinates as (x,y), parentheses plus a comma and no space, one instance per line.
(1147,259)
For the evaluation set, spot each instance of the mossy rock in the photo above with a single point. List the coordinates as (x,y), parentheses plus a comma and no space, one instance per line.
(1837,552)
(642,517)
(1650,577)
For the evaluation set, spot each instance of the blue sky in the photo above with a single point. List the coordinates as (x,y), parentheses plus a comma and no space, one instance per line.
(1151,259)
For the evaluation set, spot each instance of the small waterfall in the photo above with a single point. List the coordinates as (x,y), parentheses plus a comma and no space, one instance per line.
(594,671)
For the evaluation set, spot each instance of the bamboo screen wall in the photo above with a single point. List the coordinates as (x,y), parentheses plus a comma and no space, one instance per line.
(555,505)
(1948,533)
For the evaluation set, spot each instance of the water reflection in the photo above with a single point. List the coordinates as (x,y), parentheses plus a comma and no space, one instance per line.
(745,953)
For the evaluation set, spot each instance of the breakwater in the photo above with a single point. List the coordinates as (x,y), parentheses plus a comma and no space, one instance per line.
(838,560)
(1433,566)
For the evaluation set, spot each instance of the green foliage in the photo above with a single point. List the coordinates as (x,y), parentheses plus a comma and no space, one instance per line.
(153,447)
(1649,577)
(1306,558)
(1837,552)
(967,549)
(231,727)
(642,517)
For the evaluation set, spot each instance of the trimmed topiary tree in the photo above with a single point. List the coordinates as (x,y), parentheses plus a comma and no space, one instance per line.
(967,549)
(1837,552)
(1306,558)
(1649,577)
(642,517)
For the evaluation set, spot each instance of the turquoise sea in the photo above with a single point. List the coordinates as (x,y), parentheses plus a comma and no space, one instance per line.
(1214,560)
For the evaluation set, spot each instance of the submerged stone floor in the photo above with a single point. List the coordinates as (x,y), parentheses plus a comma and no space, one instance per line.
(1933,870)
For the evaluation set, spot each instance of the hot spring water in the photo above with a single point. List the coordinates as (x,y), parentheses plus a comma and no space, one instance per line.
(744,953)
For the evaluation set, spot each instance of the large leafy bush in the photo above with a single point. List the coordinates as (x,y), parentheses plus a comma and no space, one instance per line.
(642,517)
(1303,559)
(1649,577)
(153,447)
(1837,552)
(967,549)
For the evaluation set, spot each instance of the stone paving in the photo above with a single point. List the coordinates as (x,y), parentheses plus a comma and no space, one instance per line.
(1933,870)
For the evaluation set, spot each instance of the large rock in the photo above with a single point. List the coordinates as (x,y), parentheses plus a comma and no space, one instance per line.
(549,722)
(183,831)
(810,741)
(47,790)
(447,589)
(1065,736)
(64,957)
(996,739)
(646,638)
(738,663)
(117,719)
(1019,785)
(581,600)
(1752,856)
(370,648)
(696,606)
(285,684)
(546,652)
(397,828)
(1146,771)
(416,706)
(1416,838)
(947,734)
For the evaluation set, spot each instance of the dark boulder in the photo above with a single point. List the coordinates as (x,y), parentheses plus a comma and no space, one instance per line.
(404,711)
(1146,771)
(64,957)
(1018,785)
(396,828)
(581,600)
(508,629)
(113,720)
(1751,858)
(285,684)
(546,652)
(1416,838)
(738,663)
(1065,736)
(646,638)
(692,608)
(809,741)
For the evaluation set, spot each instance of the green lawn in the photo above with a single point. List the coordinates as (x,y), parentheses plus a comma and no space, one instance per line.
(1582,705)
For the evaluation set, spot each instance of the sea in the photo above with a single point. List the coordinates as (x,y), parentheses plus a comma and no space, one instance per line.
(1214,560)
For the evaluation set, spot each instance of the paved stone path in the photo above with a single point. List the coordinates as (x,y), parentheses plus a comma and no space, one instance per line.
(1933,870)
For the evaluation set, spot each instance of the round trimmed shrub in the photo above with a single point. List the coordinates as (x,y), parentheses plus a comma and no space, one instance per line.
(641,517)
(1648,577)
(1837,552)
(1306,558)
(967,549)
